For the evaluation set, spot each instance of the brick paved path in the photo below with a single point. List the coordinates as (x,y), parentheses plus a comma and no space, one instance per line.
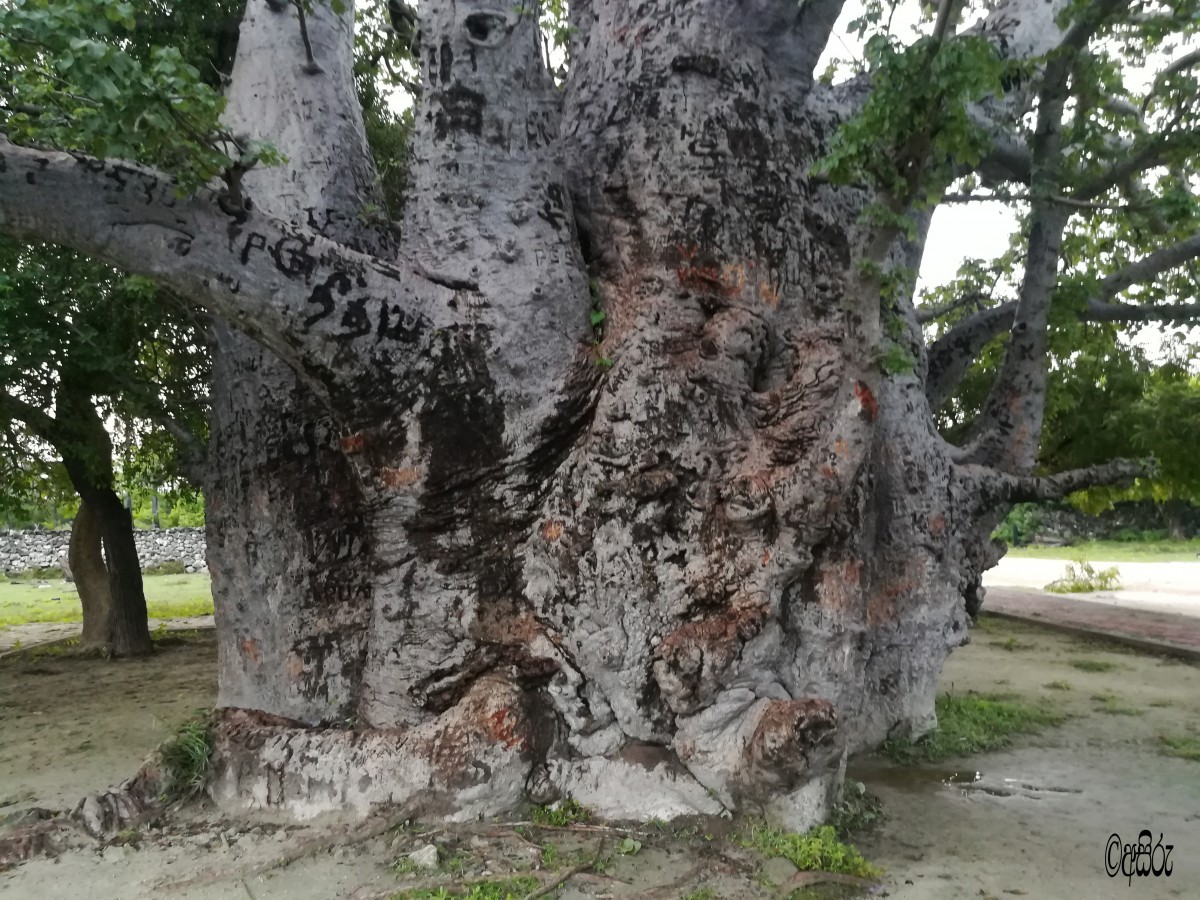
(1156,631)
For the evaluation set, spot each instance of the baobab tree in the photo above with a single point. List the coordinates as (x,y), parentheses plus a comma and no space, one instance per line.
(612,472)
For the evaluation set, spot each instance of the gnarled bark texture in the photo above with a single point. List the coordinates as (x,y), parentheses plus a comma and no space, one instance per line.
(86,559)
(469,550)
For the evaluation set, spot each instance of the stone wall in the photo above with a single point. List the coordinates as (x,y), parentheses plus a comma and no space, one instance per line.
(23,550)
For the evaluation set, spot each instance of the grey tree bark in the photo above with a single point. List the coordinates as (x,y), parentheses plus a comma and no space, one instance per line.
(471,551)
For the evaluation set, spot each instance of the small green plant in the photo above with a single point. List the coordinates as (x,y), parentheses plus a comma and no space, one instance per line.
(127,837)
(159,632)
(856,811)
(186,758)
(1082,577)
(1093,665)
(1059,685)
(565,812)
(817,850)
(972,723)
(629,847)
(1183,746)
(701,894)
(1161,704)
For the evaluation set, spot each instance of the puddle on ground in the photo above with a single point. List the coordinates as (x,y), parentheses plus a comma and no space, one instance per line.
(916,779)
(913,778)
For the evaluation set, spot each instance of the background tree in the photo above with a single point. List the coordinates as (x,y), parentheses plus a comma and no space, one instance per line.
(80,344)
(624,451)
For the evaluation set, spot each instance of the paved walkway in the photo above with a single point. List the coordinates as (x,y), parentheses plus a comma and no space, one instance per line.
(1156,631)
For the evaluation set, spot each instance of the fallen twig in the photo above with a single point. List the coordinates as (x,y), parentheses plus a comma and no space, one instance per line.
(548,888)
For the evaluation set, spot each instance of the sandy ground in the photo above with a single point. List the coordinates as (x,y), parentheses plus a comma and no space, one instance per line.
(1034,824)
(1170,587)
(14,637)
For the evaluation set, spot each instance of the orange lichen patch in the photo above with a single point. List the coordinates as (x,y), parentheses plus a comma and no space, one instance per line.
(353,443)
(399,478)
(765,559)
(788,730)
(883,605)
(870,405)
(249,649)
(552,530)
(840,447)
(768,294)
(726,280)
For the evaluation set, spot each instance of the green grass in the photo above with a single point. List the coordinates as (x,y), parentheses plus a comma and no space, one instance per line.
(1116,551)
(1092,665)
(1058,685)
(1111,704)
(507,889)
(973,723)
(817,850)
(1182,746)
(565,812)
(167,597)
(186,758)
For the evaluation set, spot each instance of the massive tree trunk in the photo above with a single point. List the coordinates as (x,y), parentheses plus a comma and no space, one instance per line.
(470,550)
(86,559)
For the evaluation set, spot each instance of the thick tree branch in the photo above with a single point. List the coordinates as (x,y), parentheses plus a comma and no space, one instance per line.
(1150,266)
(36,420)
(1001,487)
(307,298)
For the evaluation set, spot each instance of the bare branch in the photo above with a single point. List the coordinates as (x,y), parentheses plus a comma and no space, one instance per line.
(1175,313)
(952,354)
(1150,266)
(994,486)
(930,313)
(1182,64)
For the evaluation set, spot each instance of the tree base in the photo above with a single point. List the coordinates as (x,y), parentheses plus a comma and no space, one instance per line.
(471,763)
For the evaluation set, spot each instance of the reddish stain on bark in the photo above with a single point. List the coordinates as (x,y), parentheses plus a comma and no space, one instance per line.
(711,278)
(295,666)
(840,583)
(250,649)
(552,530)
(502,726)
(353,443)
(937,524)
(399,478)
(869,404)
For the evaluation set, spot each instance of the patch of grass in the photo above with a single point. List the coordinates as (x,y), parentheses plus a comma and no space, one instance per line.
(507,889)
(1180,745)
(1117,551)
(48,573)
(856,811)
(1161,704)
(565,812)
(1058,685)
(167,597)
(167,567)
(1092,665)
(818,850)
(186,758)
(1081,577)
(701,894)
(973,723)
(1111,704)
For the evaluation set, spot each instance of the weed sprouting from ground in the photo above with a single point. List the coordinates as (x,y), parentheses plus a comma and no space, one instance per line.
(1059,685)
(856,811)
(817,850)
(1082,577)
(186,758)
(1093,665)
(565,812)
(972,723)
(1180,745)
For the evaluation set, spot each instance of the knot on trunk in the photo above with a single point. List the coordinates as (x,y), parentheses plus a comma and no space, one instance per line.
(694,658)
(791,738)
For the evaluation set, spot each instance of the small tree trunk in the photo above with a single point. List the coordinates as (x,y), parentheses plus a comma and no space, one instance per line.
(130,632)
(91,577)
